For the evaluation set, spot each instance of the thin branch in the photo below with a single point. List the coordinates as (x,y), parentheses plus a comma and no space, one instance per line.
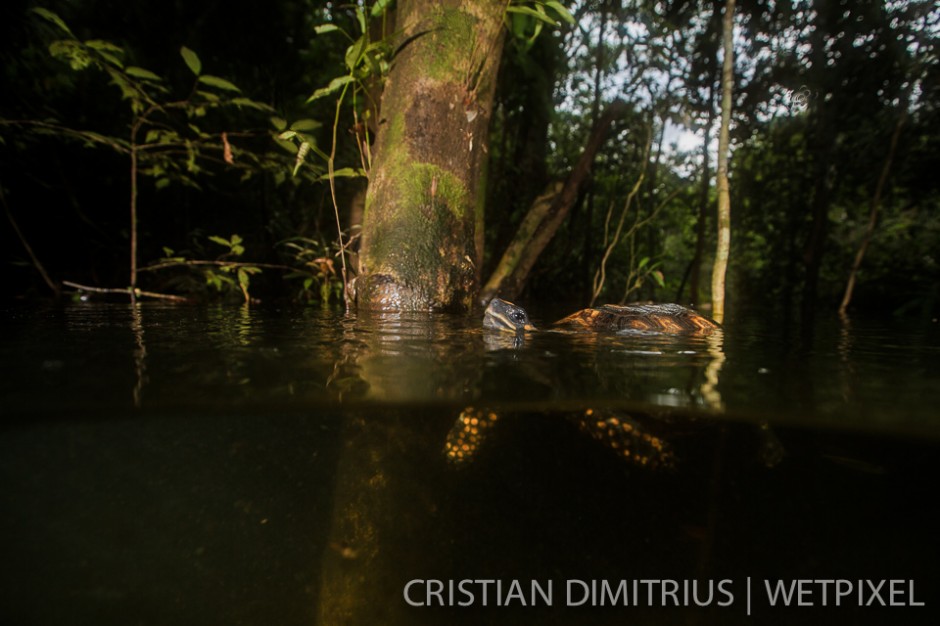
(600,275)
(93,137)
(125,290)
(332,178)
(165,264)
(29,250)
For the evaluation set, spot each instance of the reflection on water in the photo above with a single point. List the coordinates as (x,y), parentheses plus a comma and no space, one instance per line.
(860,375)
(240,465)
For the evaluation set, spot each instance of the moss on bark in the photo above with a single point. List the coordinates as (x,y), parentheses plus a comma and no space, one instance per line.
(420,229)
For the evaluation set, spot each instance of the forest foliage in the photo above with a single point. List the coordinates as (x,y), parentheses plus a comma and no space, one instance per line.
(238,113)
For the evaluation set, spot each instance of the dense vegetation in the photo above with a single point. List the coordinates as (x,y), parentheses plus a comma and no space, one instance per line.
(831,98)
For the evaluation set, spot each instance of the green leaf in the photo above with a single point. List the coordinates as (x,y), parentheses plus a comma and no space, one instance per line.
(192,60)
(562,12)
(243,278)
(325,28)
(279,123)
(222,241)
(101,44)
(305,125)
(345,172)
(248,102)
(112,59)
(335,84)
(52,17)
(643,262)
(361,16)
(139,72)
(540,14)
(220,83)
(379,7)
(236,239)
(354,53)
(658,277)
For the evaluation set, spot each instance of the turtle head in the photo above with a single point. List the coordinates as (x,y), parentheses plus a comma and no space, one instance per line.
(503,315)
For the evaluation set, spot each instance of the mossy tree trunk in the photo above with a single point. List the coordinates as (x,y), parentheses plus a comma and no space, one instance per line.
(424,207)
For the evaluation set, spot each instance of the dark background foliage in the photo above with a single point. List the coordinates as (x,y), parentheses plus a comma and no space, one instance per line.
(802,177)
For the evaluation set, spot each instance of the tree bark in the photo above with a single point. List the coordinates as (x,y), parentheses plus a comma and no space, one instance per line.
(420,247)
(724,193)
(695,270)
(873,214)
(545,216)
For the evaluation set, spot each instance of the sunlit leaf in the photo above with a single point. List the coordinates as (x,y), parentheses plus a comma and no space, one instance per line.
(192,60)
(354,53)
(112,59)
(139,72)
(247,102)
(101,44)
(220,83)
(279,123)
(562,12)
(335,84)
(220,240)
(540,15)
(658,277)
(345,172)
(52,17)
(379,7)
(325,28)
(361,16)
(305,125)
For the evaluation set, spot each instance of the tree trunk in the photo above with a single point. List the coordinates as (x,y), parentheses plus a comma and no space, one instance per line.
(545,216)
(420,246)
(695,271)
(873,214)
(724,192)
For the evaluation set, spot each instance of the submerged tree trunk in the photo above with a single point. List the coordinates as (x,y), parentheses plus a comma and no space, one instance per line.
(545,216)
(420,248)
(724,192)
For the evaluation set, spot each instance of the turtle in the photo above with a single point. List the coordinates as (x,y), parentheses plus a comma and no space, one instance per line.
(626,436)
(655,318)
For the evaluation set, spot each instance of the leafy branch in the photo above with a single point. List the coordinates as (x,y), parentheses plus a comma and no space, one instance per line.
(165,138)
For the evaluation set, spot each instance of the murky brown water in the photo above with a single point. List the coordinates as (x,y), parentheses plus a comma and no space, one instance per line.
(224,465)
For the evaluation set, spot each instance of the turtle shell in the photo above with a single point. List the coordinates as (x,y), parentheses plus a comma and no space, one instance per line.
(660,318)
